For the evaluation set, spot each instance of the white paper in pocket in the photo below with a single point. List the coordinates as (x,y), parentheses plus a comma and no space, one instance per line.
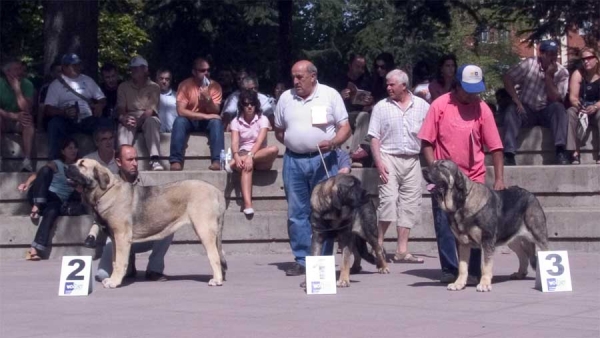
(319,115)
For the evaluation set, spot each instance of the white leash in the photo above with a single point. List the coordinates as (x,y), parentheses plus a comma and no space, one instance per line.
(323,160)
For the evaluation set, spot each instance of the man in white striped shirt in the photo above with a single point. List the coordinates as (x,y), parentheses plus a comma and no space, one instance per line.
(395,123)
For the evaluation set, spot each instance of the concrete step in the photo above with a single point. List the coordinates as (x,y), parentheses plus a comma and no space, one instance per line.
(564,224)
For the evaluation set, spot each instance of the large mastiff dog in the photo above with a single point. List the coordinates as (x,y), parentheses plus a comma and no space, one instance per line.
(482,218)
(137,214)
(342,209)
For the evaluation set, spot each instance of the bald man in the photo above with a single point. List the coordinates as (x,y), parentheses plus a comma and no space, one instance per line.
(308,118)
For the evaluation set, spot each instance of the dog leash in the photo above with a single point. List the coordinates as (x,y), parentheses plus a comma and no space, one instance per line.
(323,160)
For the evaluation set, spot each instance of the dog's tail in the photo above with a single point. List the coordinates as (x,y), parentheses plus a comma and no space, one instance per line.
(361,247)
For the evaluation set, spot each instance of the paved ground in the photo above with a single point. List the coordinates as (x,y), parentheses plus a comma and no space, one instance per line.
(258,300)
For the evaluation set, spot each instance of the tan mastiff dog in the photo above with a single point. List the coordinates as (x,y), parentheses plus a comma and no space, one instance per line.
(138,214)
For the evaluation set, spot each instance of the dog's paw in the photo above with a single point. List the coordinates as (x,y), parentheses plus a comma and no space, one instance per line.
(384,270)
(456,286)
(109,284)
(215,282)
(343,284)
(518,275)
(484,287)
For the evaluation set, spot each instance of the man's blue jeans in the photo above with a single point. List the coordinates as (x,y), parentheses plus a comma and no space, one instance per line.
(447,245)
(60,127)
(301,173)
(182,127)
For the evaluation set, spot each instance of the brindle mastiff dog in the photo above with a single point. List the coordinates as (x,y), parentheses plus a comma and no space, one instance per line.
(342,209)
(483,218)
(138,214)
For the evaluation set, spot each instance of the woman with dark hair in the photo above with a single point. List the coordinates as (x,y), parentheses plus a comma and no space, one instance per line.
(249,144)
(383,63)
(584,96)
(48,192)
(446,72)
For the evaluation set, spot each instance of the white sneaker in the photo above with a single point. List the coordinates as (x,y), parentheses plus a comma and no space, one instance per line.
(156,166)
(248,211)
(228,168)
(26,166)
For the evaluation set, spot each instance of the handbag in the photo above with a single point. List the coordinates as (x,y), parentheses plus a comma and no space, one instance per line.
(582,125)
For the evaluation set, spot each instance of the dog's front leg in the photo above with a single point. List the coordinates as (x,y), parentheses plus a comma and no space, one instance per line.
(347,244)
(464,253)
(485,284)
(316,247)
(121,249)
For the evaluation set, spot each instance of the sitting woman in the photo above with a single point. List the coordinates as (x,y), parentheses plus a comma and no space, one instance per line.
(584,96)
(48,193)
(445,77)
(249,144)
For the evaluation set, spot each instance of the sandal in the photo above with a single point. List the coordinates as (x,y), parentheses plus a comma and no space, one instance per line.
(30,256)
(407,258)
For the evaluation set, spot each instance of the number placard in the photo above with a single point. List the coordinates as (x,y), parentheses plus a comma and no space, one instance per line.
(553,272)
(75,276)
(320,275)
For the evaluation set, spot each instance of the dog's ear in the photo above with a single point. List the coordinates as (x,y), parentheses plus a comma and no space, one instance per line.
(460,189)
(102,178)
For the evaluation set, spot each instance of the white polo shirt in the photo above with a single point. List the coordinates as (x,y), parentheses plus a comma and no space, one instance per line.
(167,110)
(294,115)
(112,165)
(60,97)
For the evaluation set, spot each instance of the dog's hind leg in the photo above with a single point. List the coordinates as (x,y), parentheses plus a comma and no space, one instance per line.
(347,244)
(208,235)
(464,253)
(518,245)
(487,263)
(121,249)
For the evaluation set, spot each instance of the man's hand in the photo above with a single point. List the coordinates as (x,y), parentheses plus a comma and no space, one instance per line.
(128,121)
(204,95)
(326,146)
(345,93)
(499,185)
(589,110)
(520,108)
(14,82)
(22,187)
(368,100)
(383,171)
(552,68)
(97,109)
(25,119)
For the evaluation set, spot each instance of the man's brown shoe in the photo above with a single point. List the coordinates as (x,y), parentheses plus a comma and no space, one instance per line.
(215,165)
(176,166)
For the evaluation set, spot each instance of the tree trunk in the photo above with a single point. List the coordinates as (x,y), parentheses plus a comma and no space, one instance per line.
(71,27)
(285,8)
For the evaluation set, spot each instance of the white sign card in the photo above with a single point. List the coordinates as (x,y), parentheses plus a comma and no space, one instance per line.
(319,115)
(320,275)
(75,276)
(553,272)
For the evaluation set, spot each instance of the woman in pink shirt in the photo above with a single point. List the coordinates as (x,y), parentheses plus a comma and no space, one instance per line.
(249,144)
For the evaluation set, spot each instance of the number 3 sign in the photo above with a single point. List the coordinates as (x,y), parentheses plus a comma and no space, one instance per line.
(553,273)
(75,276)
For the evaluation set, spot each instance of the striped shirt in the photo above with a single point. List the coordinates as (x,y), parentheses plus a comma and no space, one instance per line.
(396,128)
(528,74)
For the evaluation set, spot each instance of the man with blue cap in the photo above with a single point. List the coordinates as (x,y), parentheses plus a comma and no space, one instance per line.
(543,84)
(457,127)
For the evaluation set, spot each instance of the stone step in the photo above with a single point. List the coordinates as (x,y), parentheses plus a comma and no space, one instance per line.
(269,226)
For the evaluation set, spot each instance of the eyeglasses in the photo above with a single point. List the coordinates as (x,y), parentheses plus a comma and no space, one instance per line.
(247,104)
(202,70)
(588,58)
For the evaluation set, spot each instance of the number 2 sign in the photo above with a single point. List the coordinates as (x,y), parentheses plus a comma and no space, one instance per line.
(553,272)
(75,276)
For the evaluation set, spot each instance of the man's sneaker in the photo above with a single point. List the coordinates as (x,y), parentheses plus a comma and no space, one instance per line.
(562,158)
(156,166)
(509,159)
(155,276)
(26,166)
(90,242)
(296,270)
(447,278)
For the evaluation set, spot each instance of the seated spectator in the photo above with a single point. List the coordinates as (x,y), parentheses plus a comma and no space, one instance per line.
(110,85)
(167,107)
(137,104)
(48,191)
(74,104)
(584,96)
(249,144)
(41,117)
(225,79)
(356,79)
(231,106)
(421,81)
(104,139)
(16,102)
(198,107)
(445,77)
(279,89)
(543,83)
(383,63)
(503,100)
(126,159)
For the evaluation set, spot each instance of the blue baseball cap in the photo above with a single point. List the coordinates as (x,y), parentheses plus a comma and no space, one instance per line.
(471,79)
(548,46)
(70,59)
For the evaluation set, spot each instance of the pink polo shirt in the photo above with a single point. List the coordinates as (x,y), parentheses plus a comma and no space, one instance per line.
(249,132)
(459,132)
